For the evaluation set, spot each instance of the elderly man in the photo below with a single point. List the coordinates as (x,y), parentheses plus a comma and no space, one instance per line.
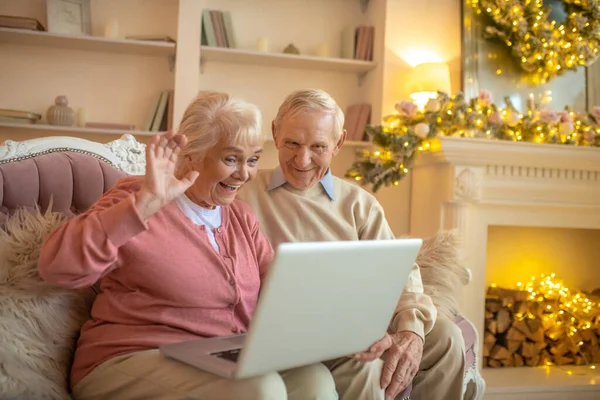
(308,132)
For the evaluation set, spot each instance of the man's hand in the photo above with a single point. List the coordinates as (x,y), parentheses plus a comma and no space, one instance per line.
(375,351)
(401,363)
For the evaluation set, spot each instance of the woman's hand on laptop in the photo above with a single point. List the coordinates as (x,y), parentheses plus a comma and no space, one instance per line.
(401,362)
(375,351)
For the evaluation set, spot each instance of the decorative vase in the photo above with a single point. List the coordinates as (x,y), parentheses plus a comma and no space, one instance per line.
(291,49)
(60,113)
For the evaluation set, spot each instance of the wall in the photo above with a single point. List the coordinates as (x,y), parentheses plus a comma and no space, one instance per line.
(416,32)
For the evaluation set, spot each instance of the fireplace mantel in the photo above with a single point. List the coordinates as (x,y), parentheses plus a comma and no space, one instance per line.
(471,184)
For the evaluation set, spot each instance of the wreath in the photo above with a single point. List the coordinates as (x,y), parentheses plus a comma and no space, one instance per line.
(543,48)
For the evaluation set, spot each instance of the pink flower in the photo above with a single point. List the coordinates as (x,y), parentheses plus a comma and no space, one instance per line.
(495,118)
(565,116)
(596,113)
(485,97)
(549,117)
(589,135)
(407,108)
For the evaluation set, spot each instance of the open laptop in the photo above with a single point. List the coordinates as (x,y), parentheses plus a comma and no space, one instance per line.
(319,301)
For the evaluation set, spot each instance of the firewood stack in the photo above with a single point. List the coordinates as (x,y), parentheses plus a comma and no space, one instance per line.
(524,332)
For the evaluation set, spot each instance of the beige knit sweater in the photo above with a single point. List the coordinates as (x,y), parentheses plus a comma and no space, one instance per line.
(286,214)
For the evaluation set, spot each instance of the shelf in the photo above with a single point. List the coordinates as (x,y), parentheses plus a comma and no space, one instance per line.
(87,43)
(237,56)
(74,129)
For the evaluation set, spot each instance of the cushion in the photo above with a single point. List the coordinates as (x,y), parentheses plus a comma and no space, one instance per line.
(40,322)
(442,271)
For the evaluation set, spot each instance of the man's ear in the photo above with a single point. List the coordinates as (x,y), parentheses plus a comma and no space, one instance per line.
(273,132)
(340,142)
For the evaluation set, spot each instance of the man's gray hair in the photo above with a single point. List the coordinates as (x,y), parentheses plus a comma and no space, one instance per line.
(310,100)
(213,118)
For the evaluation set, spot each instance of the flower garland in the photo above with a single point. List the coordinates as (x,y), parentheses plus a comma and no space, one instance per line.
(405,133)
(543,49)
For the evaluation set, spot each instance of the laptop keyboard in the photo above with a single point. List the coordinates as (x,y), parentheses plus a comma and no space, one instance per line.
(231,355)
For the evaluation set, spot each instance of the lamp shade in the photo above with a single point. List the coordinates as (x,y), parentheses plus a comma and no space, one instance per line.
(430,77)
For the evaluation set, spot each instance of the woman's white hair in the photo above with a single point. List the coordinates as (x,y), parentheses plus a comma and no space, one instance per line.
(214,118)
(310,100)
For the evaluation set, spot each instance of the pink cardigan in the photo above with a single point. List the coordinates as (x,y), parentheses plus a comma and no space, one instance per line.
(161,280)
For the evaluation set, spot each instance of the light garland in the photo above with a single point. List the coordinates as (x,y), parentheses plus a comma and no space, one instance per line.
(543,48)
(409,131)
(566,312)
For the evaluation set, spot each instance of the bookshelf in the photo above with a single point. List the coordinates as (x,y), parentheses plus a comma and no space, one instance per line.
(122,87)
(281,60)
(86,43)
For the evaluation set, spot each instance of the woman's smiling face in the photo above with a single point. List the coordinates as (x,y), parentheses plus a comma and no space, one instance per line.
(223,170)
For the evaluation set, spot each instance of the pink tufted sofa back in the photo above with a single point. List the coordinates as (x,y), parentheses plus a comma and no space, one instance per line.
(73,181)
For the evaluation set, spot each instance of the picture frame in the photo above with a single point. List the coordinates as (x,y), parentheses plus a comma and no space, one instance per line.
(69,17)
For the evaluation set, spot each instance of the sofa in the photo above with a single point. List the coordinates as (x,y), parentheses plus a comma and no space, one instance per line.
(45,181)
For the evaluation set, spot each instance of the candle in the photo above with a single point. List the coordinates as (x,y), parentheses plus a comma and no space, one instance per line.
(111,28)
(262,44)
(82,117)
(323,50)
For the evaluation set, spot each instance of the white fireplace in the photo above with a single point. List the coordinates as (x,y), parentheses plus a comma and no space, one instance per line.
(485,188)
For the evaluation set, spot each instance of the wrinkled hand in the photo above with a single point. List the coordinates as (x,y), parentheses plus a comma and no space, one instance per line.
(401,362)
(160,184)
(375,351)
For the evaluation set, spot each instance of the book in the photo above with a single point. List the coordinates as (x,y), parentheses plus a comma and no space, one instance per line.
(217,29)
(208,31)
(5,112)
(160,111)
(356,119)
(10,21)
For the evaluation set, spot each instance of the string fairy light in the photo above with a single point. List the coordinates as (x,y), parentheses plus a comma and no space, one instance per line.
(565,312)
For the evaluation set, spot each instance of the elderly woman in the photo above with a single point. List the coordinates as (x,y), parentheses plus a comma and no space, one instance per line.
(177,258)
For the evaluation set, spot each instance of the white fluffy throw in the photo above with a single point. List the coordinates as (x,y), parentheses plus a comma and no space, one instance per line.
(39,323)
(442,271)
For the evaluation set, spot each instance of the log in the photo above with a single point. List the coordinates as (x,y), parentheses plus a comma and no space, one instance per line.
(534,324)
(518,360)
(489,338)
(491,325)
(545,358)
(528,350)
(517,295)
(493,305)
(515,334)
(560,349)
(509,362)
(500,353)
(533,361)
(563,360)
(494,363)
(513,345)
(521,308)
(556,332)
(503,320)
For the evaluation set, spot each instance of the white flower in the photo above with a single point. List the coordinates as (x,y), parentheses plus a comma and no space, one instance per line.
(422,130)
(565,128)
(433,105)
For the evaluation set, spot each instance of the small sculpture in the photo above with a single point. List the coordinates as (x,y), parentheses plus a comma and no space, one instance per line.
(60,113)
(291,49)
